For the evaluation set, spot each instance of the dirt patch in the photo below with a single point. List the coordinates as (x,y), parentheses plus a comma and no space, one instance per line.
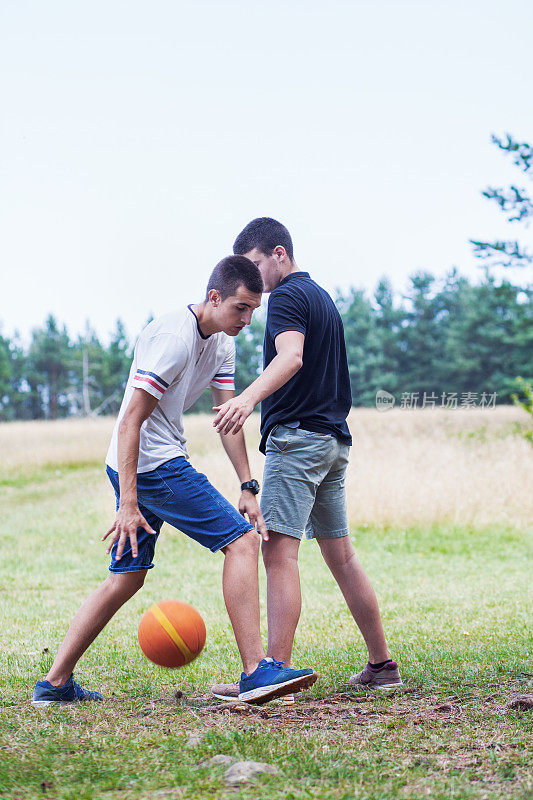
(336,711)
(342,710)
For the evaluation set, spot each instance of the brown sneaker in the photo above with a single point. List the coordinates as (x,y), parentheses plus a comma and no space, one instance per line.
(226,691)
(386,677)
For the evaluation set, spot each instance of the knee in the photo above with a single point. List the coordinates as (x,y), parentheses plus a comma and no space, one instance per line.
(246,546)
(126,583)
(337,553)
(276,552)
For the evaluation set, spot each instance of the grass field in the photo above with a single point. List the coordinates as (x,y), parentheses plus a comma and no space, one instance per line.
(441,508)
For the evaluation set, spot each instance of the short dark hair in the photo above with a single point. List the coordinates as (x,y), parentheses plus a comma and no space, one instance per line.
(232,272)
(263,233)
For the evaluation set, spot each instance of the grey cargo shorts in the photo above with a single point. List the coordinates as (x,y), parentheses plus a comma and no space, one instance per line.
(304,484)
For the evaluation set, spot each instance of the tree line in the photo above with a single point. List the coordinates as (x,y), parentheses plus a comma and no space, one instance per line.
(56,376)
(449,342)
(442,338)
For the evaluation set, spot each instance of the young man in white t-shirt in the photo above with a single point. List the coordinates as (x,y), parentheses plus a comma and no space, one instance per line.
(175,359)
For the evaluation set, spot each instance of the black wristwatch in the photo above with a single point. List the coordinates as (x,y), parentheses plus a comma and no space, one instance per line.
(252,486)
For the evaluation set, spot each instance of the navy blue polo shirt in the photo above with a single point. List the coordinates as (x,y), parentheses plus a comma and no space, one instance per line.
(318,397)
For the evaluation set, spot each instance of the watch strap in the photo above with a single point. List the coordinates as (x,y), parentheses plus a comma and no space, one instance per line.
(251,486)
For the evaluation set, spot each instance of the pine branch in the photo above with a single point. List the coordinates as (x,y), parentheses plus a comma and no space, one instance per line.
(515,202)
(505,254)
(522,151)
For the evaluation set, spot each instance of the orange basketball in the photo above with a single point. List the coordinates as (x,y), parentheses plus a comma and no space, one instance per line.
(171,633)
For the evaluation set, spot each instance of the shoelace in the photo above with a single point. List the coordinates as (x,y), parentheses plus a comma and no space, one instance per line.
(277,664)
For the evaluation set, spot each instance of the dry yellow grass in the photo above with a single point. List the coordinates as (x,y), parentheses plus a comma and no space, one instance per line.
(38,444)
(408,467)
(426,466)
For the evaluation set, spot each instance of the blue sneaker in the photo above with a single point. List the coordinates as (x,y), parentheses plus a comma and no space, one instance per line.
(271,679)
(45,694)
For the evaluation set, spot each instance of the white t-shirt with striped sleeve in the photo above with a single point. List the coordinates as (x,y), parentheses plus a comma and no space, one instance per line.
(174,362)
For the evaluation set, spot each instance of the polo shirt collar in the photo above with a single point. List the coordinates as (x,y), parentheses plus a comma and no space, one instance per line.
(292,275)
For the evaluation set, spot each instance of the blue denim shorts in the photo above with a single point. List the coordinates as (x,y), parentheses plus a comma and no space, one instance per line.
(304,484)
(176,493)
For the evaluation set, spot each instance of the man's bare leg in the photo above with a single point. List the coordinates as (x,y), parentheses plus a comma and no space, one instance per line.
(240,585)
(241,592)
(284,598)
(339,555)
(90,620)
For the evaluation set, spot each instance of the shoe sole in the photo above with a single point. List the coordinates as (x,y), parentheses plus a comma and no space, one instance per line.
(286,700)
(382,687)
(227,698)
(265,693)
(44,703)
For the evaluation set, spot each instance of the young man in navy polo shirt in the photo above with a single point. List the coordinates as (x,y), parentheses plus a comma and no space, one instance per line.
(305,395)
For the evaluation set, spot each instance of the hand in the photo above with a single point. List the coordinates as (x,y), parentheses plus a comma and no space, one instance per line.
(249,506)
(129,518)
(232,414)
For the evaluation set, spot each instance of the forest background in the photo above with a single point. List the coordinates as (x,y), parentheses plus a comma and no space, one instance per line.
(447,342)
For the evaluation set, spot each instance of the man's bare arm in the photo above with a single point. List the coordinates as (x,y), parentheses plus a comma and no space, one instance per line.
(286,363)
(235,448)
(129,518)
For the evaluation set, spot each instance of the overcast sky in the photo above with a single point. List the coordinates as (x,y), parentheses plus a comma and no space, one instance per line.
(138,138)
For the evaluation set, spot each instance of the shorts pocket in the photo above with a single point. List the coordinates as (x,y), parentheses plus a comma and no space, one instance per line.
(278,438)
(152,489)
